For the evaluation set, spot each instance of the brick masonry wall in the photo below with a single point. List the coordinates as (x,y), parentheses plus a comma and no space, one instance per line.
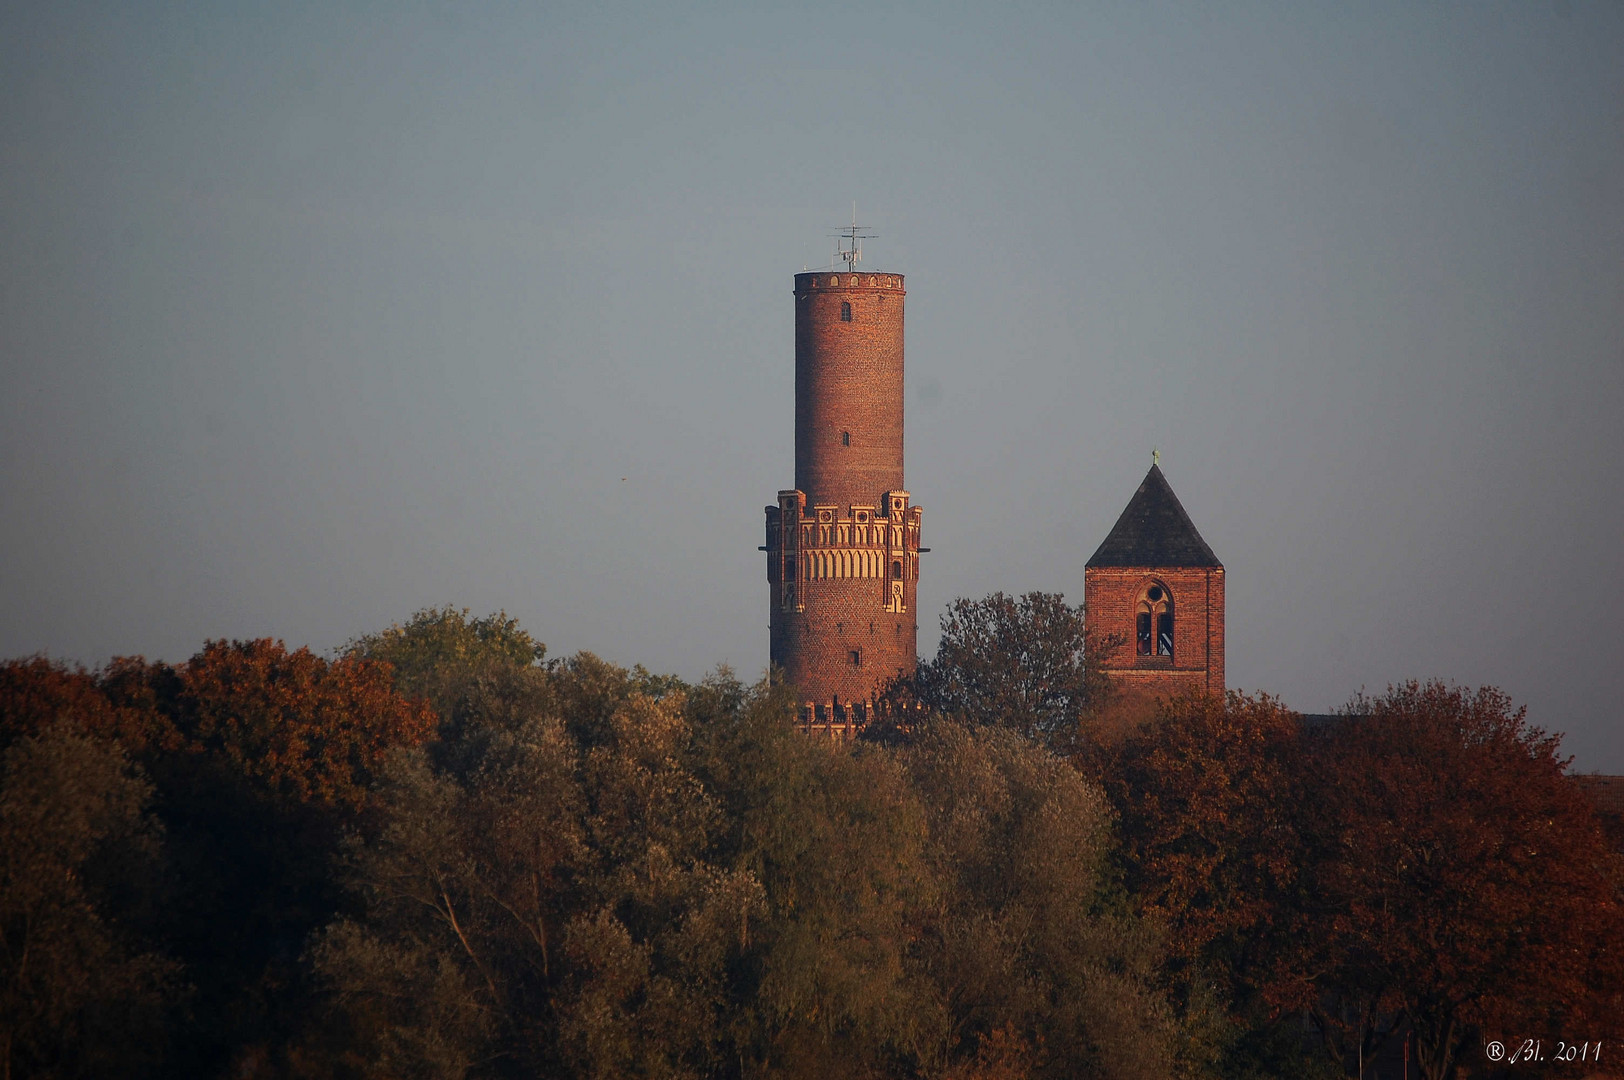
(814,646)
(1111,599)
(848,459)
(848,379)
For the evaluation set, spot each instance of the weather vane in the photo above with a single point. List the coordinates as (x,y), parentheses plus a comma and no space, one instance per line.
(1155,457)
(855,234)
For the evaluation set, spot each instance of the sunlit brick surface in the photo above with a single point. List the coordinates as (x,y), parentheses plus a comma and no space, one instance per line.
(843,544)
(1111,598)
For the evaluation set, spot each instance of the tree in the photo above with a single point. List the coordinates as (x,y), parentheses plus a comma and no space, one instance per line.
(300,727)
(262,757)
(1028,664)
(80,992)
(1035,964)
(1456,883)
(540,896)
(37,692)
(1209,796)
(439,654)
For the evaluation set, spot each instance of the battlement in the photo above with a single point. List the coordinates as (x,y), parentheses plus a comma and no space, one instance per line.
(833,720)
(823,281)
(863,542)
(842,544)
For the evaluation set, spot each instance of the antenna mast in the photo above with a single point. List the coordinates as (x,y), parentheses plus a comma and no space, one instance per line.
(849,241)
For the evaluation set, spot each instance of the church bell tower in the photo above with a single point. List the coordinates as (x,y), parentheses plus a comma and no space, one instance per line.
(843,543)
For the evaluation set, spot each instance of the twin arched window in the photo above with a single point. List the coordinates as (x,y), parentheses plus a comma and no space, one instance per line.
(1153,634)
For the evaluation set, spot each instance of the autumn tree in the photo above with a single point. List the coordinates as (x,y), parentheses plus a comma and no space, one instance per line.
(81,991)
(1457,883)
(37,692)
(1210,795)
(296,726)
(262,757)
(1208,798)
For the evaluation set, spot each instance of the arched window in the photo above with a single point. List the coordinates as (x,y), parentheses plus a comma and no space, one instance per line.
(845,438)
(1153,626)
(845,311)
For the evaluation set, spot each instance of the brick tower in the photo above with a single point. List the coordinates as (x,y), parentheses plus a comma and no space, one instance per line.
(1156,583)
(843,544)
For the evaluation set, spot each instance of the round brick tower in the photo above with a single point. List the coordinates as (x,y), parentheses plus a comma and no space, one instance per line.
(843,544)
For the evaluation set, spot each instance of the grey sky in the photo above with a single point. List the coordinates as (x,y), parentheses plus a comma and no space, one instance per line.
(311,316)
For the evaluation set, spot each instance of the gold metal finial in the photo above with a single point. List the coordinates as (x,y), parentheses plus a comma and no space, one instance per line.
(1155,457)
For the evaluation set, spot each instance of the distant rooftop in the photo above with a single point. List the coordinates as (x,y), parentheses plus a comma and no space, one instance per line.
(1606,792)
(1154,531)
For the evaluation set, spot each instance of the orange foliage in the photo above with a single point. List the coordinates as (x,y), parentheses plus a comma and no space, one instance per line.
(1001,1054)
(1206,796)
(1457,873)
(307,728)
(301,726)
(37,691)
(1424,865)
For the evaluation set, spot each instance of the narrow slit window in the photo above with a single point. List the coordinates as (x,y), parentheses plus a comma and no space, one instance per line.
(896,570)
(845,438)
(845,311)
(856,658)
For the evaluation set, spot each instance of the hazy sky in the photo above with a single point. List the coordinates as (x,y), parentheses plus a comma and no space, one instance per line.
(313,315)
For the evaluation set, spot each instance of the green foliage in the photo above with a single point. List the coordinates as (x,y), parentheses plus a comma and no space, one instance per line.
(618,884)
(438,652)
(1029,664)
(547,885)
(588,871)
(1022,937)
(837,841)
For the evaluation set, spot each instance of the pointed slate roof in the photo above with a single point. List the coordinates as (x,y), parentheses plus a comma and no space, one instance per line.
(1154,531)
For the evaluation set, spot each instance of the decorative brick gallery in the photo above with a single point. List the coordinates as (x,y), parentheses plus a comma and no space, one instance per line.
(843,543)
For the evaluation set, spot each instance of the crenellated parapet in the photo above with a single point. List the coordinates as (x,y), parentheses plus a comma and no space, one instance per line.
(807,546)
(832,720)
(842,544)
(845,281)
